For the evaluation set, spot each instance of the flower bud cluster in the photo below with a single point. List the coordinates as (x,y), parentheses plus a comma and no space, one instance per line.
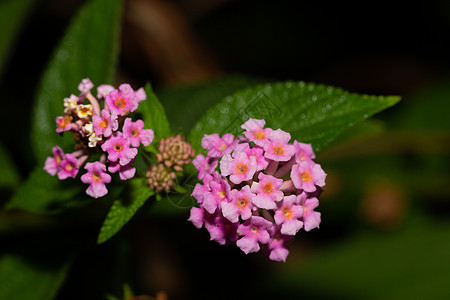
(174,153)
(106,132)
(265,191)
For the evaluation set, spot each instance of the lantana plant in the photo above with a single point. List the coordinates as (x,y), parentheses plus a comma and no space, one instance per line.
(106,135)
(265,190)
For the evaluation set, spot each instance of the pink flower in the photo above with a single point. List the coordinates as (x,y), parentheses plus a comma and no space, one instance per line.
(204,165)
(277,148)
(85,86)
(105,124)
(197,216)
(118,148)
(124,100)
(307,175)
(103,90)
(199,192)
(220,191)
(276,248)
(240,205)
(240,168)
(220,229)
(255,131)
(96,177)
(267,190)
(135,132)
(253,232)
(52,164)
(256,152)
(63,123)
(303,152)
(288,214)
(68,167)
(125,172)
(218,146)
(311,218)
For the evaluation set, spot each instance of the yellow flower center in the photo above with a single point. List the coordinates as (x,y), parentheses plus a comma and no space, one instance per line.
(278,150)
(134,132)
(104,123)
(69,167)
(287,212)
(118,147)
(223,147)
(120,102)
(268,188)
(221,194)
(241,168)
(305,176)
(96,177)
(242,202)
(259,134)
(64,121)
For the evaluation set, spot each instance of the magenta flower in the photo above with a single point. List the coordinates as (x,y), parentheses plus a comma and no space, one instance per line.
(63,123)
(125,172)
(240,205)
(303,152)
(204,165)
(105,124)
(68,167)
(199,192)
(277,148)
(96,177)
(267,191)
(288,215)
(220,229)
(257,153)
(197,216)
(276,248)
(311,218)
(269,209)
(135,132)
(124,100)
(118,148)
(307,175)
(85,86)
(255,132)
(52,164)
(93,127)
(254,231)
(103,90)
(220,191)
(241,168)
(135,96)
(218,146)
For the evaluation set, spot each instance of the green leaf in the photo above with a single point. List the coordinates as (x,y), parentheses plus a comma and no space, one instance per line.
(123,209)
(312,113)
(185,104)
(12,14)
(45,194)
(22,278)
(9,176)
(89,49)
(154,116)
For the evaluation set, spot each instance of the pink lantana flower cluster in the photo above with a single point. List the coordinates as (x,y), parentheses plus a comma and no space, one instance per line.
(107,132)
(258,190)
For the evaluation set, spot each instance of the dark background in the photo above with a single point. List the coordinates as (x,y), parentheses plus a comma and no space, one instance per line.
(382,48)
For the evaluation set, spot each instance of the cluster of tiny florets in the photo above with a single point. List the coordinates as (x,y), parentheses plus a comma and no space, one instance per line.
(107,132)
(160,178)
(265,191)
(174,153)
